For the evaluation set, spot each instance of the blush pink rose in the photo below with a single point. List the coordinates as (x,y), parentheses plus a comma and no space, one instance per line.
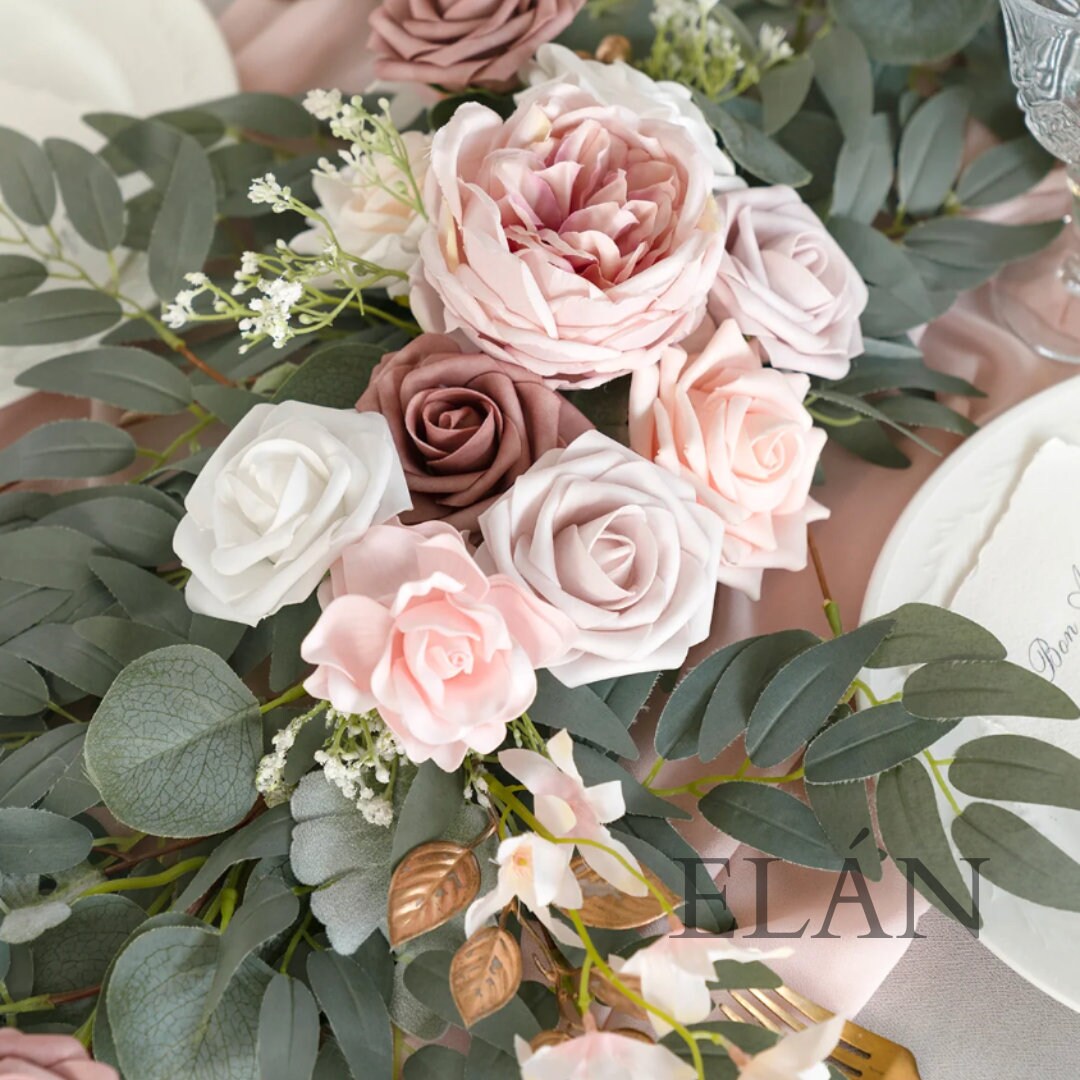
(619,546)
(48,1057)
(739,433)
(574,239)
(466,425)
(458,43)
(787,282)
(412,627)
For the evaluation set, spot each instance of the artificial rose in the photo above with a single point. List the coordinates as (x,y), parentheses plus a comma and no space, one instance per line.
(800,1056)
(466,425)
(368,221)
(618,545)
(737,431)
(787,282)
(278,501)
(574,239)
(459,43)
(601,1055)
(413,628)
(48,1057)
(620,84)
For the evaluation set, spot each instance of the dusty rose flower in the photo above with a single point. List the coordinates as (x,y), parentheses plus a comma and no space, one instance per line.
(618,545)
(459,43)
(412,627)
(787,282)
(48,1057)
(737,431)
(574,239)
(466,425)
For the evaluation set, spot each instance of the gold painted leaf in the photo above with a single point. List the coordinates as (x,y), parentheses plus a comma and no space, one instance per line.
(608,908)
(485,973)
(430,886)
(612,997)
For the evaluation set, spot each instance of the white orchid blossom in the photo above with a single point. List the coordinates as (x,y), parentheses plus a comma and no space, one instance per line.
(796,1057)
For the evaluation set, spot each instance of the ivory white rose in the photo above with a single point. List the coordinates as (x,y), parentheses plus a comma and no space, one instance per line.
(290,487)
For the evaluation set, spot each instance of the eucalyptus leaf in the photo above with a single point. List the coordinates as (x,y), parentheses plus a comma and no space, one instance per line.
(56,316)
(335,375)
(72,794)
(751,148)
(434,1063)
(914,411)
(144,597)
(1016,768)
(842,71)
(581,712)
(288,1031)
(91,194)
(230,404)
(1003,172)
(26,178)
(39,842)
(28,773)
(67,449)
(23,606)
(964,242)
(783,90)
(20,276)
(123,639)
(423,814)
(268,114)
(59,649)
(931,147)
(844,813)
(871,373)
(22,689)
(598,768)
(923,632)
(290,626)
(914,31)
(36,903)
(869,441)
(49,556)
(864,172)
(136,531)
(626,695)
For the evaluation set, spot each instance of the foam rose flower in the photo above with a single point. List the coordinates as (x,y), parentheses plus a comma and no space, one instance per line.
(574,239)
(465,424)
(619,83)
(795,1057)
(619,546)
(566,807)
(601,1055)
(368,221)
(787,282)
(536,872)
(282,496)
(48,1057)
(413,628)
(739,433)
(459,43)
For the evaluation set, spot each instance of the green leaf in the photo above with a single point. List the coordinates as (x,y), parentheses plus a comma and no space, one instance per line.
(844,813)
(288,1031)
(66,449)
(20,276)
(73,793)
(181,237)
(176,964)
(1003,172)
(357,1014)
(751,148)
(910,824)
(91,194)
(626,695)
(872,412)
(949,688)
(434,1063)
(423,814)
(815,141)
(582,713)
(931,146)
(966,243)
(925,412)
(290,626)
(735,975)
(914,31)
(230,404)
(268,114)
(598,768)
(783,91)
(799,698)
(58,649)
(1018,858)
(869,441)
(174,744)
(22,690)
(137,531)
(870,374)
(144,597)
(772,821)
(864,172)
(26,178)
(129,378)
(56,316)
(23,606)
(29,772)
(923,632)
(842,71)
(125,641)
(1016,768)
(39,842)
(869,742)
(334,376)
(49,556)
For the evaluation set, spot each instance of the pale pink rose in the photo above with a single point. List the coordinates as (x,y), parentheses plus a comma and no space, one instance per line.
(413,628)
(787,282)
(574,239)
(601,1055)
(459,43)
(47,1057)
(619,546)
(737,431)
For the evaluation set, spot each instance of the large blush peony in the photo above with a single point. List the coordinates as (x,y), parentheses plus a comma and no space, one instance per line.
(787,282)
(737,431)
(413,628)
(619,546)
(574,239)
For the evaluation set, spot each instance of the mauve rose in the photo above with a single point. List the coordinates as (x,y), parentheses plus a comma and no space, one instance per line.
(458,43)
(787,282)
(619,546)
(48,1057)
(574,239)
(737,431)
(466,425)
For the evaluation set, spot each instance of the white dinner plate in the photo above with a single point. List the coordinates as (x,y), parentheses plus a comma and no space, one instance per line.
(929,553)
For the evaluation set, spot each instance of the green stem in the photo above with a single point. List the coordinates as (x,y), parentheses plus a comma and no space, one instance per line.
(85,1032)
(290,695)
(60,711)
(294,941)
(942,783)
(655,770)
(151,881)
(694,787)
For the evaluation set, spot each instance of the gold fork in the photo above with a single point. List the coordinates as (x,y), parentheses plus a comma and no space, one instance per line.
(860,1054)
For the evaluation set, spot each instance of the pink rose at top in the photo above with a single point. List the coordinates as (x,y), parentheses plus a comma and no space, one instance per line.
(601,1055)
(737,431)
(459,43)
(48,1057)
(787,282)
(567,808)
(574,239)
(795,1057)
(413,628)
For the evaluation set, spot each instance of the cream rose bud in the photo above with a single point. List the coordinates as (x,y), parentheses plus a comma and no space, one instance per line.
(620,84)
(619,546)
(290,487)
(368,221)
